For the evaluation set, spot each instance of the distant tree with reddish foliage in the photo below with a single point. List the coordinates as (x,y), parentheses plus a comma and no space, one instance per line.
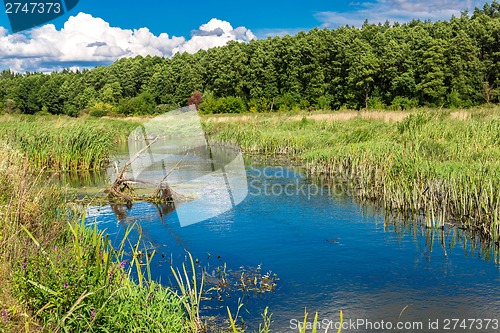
(196,99)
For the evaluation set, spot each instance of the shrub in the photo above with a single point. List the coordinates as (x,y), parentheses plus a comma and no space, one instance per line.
(324,102)
(142,104)
(231,104)
(228,104)
(304,104)
(70,109)
(287,102)
(375,102)
(164,108)
(196,99)
(101,109)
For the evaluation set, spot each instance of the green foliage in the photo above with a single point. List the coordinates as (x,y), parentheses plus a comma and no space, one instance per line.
(324,102)
(10,106)
(101,109)
(414,122)
(376,102)
(66,277)
(163,108)
(287,102)
(228,104)
(82,282)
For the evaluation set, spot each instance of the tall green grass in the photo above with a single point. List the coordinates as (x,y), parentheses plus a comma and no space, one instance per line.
(64,143)
(57,275)
(430,165)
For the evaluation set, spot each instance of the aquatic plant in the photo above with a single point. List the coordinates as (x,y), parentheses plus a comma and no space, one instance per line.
(191,290)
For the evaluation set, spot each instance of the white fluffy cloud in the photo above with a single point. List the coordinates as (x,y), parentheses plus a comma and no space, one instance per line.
(396,10)
(86,41)
(214,33)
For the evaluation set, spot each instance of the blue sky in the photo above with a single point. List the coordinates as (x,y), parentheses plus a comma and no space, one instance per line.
(261,16)
(180,17)
(96,32)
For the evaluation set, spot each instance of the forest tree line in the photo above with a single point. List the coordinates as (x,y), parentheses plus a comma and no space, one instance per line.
(453,63)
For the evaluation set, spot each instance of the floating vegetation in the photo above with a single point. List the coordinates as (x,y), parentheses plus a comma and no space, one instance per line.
(250,281)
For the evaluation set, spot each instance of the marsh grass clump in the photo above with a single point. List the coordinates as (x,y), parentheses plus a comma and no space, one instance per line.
(23,204)
(432,164)
(85,284)
(64,143)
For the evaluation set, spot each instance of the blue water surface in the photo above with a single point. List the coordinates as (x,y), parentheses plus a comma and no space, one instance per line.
(329,253)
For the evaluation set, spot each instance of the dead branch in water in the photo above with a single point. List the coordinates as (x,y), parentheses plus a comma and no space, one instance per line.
(164,193)
(122,190)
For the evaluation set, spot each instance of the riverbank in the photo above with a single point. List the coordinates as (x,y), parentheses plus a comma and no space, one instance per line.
(436,165)
(56,275)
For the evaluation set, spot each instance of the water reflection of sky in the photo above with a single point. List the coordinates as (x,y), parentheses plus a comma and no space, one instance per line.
(329,254)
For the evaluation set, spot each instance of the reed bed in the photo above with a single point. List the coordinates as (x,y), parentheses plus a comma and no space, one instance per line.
(64,143)
(439,167)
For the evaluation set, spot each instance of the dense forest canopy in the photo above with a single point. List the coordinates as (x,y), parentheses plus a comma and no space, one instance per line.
(453,63)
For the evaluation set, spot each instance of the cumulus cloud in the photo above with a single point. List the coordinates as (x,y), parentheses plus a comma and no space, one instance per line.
(396,10)
(87,41)
(214,33)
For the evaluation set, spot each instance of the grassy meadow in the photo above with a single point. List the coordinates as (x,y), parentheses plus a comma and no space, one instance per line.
(438,165)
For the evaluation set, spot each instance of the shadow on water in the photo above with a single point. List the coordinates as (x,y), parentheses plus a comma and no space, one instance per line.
(295,242)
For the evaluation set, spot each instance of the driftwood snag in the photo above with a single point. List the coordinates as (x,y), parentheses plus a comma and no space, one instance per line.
(121,190)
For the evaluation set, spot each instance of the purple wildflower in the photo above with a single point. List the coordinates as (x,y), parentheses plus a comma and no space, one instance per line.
(92,314)
(123,263)
(66,285)
(5,316)
(24,265)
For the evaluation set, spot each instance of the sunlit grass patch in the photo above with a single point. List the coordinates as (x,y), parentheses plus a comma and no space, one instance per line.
(64,143)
